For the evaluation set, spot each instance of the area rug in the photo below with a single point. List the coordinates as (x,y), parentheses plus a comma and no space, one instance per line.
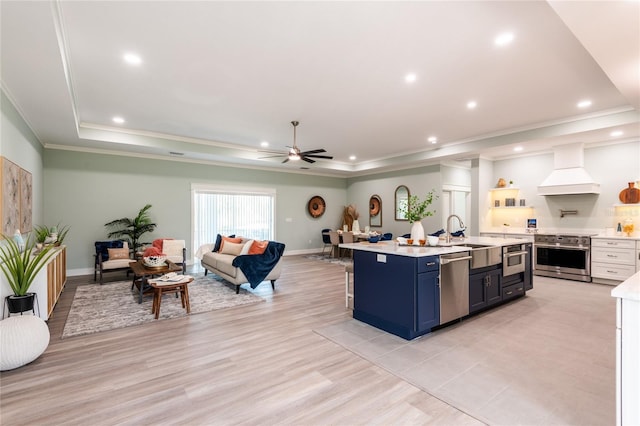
(104,307)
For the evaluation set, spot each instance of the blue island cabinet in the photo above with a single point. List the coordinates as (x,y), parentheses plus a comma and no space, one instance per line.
(398,294)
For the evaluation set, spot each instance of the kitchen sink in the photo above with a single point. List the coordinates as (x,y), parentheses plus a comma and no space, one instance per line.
(483,255)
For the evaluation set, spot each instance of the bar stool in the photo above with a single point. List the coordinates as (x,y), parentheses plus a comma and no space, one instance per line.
(348,269)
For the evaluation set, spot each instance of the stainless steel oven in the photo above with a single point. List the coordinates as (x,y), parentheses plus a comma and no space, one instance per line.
(513,259)
(563,256)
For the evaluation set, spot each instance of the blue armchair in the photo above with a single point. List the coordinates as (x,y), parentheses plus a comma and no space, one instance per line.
(111,256)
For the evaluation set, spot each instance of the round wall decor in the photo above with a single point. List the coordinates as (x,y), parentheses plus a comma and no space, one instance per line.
(316,206)
(374,206)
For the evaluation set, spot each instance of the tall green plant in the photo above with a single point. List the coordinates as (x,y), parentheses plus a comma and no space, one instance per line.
(21,268)
(417,210)
(132,229)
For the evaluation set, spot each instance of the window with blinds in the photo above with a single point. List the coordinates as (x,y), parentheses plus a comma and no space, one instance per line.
(248,213)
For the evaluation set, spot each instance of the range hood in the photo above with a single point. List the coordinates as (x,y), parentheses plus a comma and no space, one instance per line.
(569,175)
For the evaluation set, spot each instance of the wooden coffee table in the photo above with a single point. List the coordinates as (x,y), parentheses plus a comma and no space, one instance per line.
(142,273)
(160,288)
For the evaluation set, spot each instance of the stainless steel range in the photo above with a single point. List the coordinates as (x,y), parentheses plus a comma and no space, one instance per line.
(563,256)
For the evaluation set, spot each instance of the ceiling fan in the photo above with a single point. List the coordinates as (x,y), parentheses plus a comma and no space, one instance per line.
(294,153)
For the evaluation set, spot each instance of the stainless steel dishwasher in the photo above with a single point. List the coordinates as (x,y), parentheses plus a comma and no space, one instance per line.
(454,286)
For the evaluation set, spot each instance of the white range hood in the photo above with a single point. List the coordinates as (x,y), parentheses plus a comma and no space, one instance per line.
(569,175)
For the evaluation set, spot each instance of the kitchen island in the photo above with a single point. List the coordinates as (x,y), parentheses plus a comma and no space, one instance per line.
(409,290)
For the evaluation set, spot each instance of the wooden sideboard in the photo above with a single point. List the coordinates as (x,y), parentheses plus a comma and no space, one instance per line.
(47,285)
(56,278)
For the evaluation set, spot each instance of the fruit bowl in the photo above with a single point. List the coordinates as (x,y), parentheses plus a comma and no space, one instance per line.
(154,261)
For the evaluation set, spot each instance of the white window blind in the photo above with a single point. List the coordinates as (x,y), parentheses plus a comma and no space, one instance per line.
(245,212)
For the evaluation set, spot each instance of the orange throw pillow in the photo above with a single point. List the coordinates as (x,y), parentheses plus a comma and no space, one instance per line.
(157,243)
(231,240)
(152,251)
(258,247)
(118,253)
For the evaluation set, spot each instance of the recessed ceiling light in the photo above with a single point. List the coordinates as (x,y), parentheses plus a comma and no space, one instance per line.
(503,39)
(584,104)
(132,59)
(432,139)
(472,104)
(352,157)
(118,120)
(617,133)
(518,148)
(264,144)
(410,78)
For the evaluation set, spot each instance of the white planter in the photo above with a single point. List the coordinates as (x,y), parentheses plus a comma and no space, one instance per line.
(417,231)
(356,226)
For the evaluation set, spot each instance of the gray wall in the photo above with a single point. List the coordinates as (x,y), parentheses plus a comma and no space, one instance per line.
(20,145)
(419,181)
(88,190)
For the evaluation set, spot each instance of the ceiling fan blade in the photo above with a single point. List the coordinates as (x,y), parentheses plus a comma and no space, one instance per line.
(315,151)
(273,156)
(328,157)
(308,160)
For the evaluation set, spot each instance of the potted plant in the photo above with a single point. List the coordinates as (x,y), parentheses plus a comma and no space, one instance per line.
(41,233)
(20,268)
(133,229)
(416,210)
(61,232)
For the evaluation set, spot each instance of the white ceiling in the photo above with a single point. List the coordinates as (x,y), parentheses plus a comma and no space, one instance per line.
(217,78)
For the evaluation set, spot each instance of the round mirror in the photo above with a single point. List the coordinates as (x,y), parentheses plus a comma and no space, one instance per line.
(375,211)
(402,201)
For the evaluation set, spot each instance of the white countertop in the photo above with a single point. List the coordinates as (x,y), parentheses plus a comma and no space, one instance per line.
(615,237)
(628,289)
(392,247)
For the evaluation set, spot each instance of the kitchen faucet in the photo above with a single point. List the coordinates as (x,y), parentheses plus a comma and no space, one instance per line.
(449,226)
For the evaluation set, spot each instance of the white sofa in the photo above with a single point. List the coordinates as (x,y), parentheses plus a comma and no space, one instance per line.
(222,265)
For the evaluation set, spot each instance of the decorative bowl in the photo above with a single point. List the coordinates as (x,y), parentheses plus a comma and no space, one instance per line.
(433,241)
(374,238)
(154,261)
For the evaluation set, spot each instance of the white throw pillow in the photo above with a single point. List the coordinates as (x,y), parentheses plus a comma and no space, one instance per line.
(232,248)
(172,247)
(247,247)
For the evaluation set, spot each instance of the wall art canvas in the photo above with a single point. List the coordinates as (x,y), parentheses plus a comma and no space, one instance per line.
(10,197)
(26,197)
(16,198)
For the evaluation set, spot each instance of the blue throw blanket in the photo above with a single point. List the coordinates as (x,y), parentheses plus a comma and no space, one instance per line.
(256,267)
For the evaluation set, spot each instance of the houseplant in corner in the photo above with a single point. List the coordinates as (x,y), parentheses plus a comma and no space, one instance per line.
(417,210)
(20,268)
(132,229)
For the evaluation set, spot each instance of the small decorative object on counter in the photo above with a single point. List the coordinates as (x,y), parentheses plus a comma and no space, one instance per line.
(630,195)
(510,184)
(501,183)
(17,237)
(619,229)
(628,227)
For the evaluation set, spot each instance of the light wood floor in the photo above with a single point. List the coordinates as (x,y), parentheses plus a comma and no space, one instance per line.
(257,364)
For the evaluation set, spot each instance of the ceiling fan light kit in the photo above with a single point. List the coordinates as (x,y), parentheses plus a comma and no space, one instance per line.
(294,153)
